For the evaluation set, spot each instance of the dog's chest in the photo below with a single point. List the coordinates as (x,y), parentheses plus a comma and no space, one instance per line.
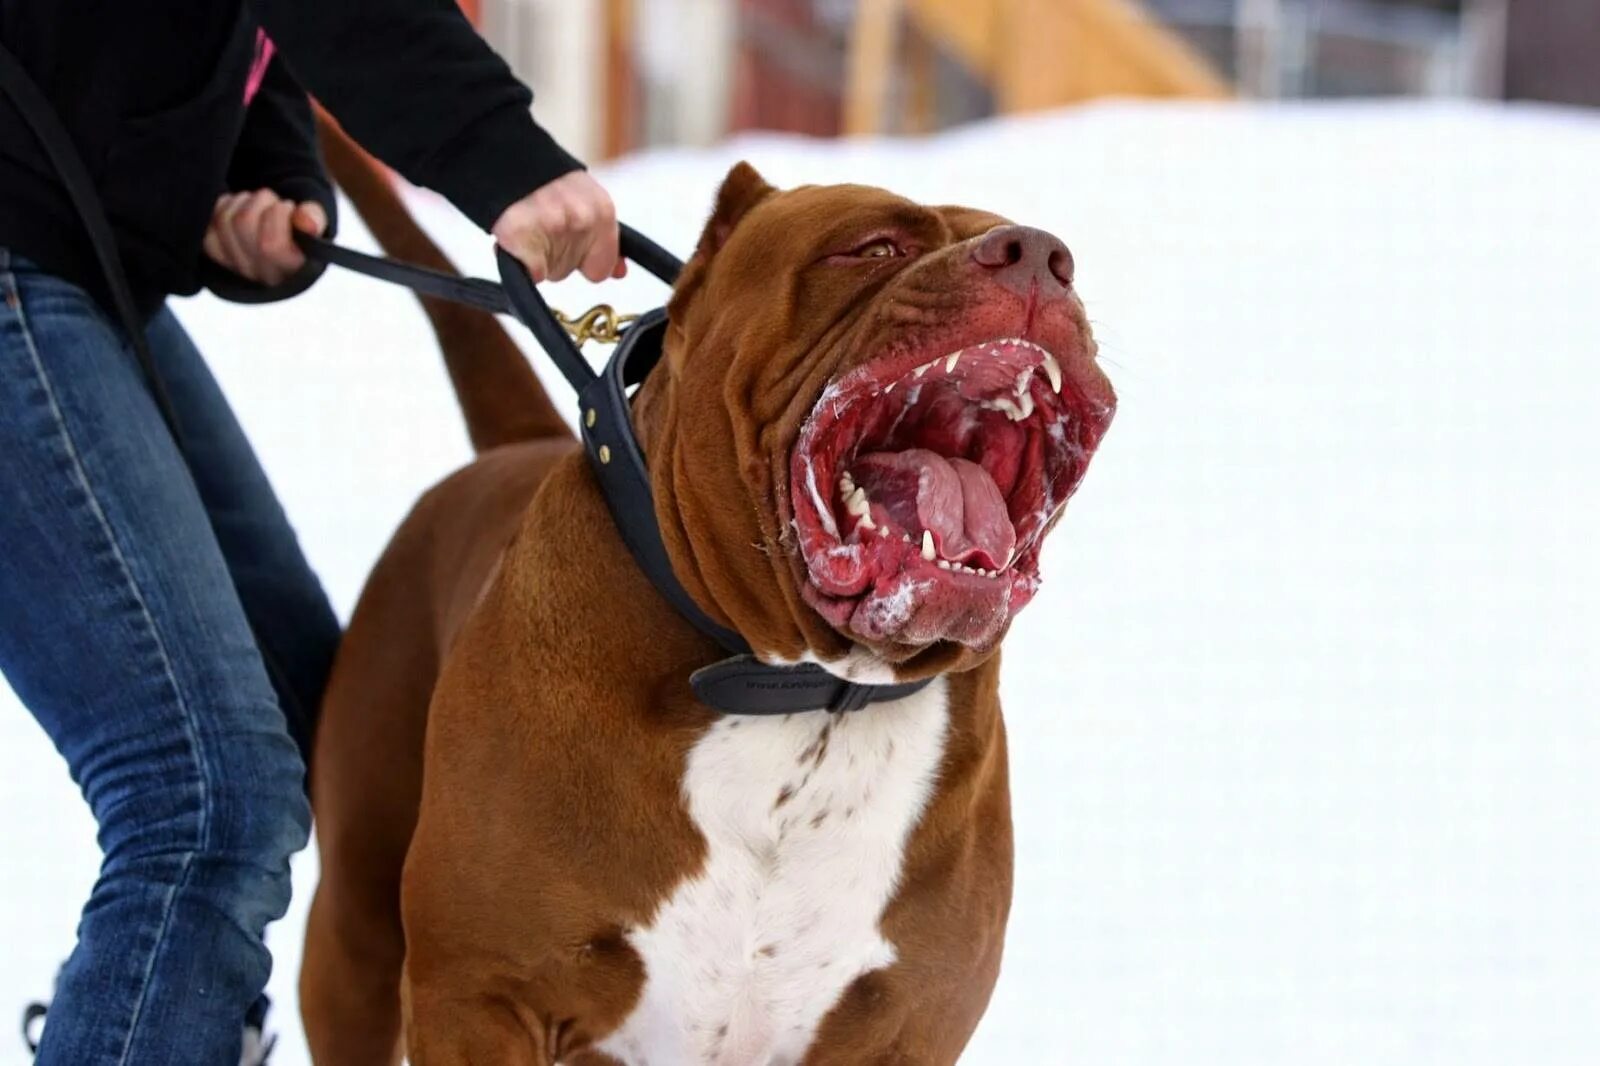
(805,819)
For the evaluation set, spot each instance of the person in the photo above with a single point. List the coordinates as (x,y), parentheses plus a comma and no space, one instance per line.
(161,621)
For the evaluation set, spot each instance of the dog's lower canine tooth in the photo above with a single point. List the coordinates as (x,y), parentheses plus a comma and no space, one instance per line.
(927,546)
(1053,370)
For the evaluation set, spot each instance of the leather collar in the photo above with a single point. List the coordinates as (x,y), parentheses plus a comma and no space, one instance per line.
(740,684)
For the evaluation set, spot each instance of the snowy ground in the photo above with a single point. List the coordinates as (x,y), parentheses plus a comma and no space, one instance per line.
(1304,720)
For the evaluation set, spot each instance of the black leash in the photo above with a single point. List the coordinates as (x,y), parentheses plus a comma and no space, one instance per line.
(740,684)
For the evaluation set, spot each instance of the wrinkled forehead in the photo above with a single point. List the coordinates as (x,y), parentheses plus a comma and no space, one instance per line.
(827,219)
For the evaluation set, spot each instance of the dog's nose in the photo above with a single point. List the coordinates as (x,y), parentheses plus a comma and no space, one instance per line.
(1022,258)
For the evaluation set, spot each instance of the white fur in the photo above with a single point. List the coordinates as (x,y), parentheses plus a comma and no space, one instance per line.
(747,956)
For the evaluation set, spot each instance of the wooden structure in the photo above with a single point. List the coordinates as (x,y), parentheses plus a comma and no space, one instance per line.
(1031,54)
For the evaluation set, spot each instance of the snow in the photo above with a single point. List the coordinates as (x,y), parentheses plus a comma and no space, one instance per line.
(1303,720)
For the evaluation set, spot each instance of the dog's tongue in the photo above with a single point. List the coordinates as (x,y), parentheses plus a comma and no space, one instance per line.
(955,500)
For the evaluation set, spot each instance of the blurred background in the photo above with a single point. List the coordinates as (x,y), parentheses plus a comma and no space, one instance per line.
(615,76)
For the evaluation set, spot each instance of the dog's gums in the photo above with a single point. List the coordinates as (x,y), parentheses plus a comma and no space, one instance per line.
(923,483)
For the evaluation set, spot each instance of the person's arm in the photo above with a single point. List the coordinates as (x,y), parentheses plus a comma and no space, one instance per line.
(275,180)
(413,83)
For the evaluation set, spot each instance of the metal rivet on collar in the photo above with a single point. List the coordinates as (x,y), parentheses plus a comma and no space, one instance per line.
(605,454)
(589,418)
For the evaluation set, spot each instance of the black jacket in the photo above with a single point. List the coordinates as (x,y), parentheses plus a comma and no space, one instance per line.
(153,95)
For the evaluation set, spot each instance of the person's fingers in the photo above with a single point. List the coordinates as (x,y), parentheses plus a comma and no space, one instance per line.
(233,254)
(310,217)
(240,224)
(246,222)
(564,219)
(280,257)
(568,225)
(601,261)
(518,233)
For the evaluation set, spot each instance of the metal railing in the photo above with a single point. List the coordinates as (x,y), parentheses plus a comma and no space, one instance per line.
(1277,48)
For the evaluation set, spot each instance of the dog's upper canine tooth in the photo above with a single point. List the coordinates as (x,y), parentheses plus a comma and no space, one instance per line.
(927,546)
(1052,369)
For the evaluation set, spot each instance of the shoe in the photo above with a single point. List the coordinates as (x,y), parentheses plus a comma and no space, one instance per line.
(33,1025)
(258,1044)
(254,1051)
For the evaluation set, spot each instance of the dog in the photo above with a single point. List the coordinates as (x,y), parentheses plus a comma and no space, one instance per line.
(537,846)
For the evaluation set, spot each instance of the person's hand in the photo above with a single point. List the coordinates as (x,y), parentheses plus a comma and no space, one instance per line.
(569,224)
(251,234)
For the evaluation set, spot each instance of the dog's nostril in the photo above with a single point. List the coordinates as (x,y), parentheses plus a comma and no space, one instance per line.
(1062,266)
(1000,249)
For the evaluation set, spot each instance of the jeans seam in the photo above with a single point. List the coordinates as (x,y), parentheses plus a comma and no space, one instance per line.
(169,903)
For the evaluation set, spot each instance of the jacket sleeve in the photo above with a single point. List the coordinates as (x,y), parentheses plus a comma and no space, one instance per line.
(277,150)
(413,82)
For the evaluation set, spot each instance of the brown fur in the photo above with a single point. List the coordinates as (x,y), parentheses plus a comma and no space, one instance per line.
(497,779)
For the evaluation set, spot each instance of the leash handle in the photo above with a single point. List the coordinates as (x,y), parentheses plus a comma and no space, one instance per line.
(481,293)
(515,294)
(531,310)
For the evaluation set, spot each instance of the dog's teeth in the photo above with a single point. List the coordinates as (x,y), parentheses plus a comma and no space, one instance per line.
(950,363)
(866,521)
(890,387)
(924,368)
(944,564)
(1053,370)
(927,546)
(906,537)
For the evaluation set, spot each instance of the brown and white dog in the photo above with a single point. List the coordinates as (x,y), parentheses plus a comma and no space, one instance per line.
(537,846)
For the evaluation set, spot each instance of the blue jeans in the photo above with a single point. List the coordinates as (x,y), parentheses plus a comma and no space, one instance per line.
(158,618)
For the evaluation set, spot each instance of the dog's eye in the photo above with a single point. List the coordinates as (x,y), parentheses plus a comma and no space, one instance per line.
(881,248)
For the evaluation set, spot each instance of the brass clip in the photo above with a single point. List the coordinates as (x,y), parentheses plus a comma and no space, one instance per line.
(600,323)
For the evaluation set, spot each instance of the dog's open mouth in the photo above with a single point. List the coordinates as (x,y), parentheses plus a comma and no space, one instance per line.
(921,488)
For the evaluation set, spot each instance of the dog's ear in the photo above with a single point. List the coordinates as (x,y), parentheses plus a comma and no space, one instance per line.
(742,189)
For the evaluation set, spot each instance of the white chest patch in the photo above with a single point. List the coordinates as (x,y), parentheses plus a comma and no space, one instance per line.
(805,819)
